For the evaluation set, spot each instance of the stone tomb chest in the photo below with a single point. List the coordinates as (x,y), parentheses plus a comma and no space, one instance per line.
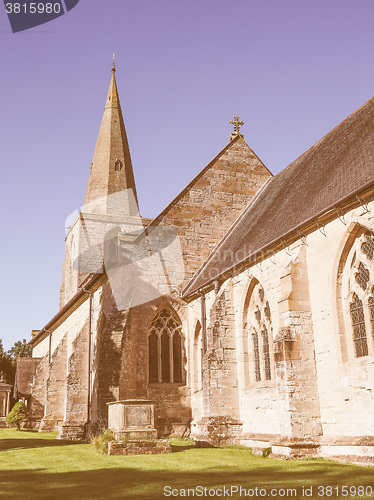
(132,423)
(132,419)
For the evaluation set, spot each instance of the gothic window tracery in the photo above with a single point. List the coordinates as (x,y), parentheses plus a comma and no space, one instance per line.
(165,348)
(259,331)
(359,294)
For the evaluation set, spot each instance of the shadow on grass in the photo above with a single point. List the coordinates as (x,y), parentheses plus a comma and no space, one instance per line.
(11,444)
(175,448)
(25,441)
(132,483)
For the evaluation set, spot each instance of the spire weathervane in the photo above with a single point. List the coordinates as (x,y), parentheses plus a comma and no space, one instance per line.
(114,64)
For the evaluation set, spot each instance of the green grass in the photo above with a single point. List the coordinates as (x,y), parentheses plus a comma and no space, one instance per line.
(34,465)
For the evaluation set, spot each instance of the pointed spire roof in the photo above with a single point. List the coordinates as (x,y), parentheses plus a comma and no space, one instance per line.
(111,168)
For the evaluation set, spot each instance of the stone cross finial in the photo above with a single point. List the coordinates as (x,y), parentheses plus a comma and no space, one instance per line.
(237,124)
(114,64)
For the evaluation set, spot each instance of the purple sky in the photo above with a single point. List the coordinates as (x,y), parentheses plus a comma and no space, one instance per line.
(290,69)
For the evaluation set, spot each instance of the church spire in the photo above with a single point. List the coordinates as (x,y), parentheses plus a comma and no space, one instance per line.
(111,186)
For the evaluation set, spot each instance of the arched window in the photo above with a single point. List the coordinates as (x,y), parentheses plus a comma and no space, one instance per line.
(165,349)
(117,165)
(258,329)
(358,292)
(198,358)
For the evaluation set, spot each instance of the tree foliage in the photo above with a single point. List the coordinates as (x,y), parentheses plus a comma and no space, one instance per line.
(20,350)
(7,367)
(8,359)
(17,415)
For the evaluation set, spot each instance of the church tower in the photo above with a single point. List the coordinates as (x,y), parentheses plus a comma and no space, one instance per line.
(111,202)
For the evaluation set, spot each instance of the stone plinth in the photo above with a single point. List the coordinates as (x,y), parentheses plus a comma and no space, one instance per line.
(132,419)
(139,447)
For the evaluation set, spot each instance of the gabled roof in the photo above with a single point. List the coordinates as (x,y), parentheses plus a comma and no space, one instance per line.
(335,168)
(192,183)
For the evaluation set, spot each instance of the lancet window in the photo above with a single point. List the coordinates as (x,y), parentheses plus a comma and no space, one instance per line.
(360,294)
(165,348)
(259,330)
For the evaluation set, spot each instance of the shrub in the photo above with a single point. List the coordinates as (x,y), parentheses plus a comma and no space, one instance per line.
(266,452)
(17,415)
(100,442)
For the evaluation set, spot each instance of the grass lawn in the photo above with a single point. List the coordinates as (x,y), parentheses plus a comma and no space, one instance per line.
(35,465)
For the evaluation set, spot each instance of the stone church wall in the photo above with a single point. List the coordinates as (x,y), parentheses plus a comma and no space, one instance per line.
(203,213)
(319,400)
(56,387)
(260,409)
(346,383)
(61,384)
(38,395)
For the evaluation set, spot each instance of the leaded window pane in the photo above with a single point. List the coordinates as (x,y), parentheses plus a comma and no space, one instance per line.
(267,311)
(153,357)
(177,358)
(358,325)
(165,357)
(368,246)
(266,353)
(256,356)
(363,276)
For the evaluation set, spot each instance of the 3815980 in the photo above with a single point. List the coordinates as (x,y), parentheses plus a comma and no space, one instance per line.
(33,8)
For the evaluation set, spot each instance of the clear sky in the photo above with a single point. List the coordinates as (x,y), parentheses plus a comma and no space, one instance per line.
(290,69)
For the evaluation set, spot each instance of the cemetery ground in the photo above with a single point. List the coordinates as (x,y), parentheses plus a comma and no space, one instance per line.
(37,465)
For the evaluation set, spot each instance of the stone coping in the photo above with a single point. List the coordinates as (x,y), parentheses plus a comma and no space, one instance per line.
(132,402)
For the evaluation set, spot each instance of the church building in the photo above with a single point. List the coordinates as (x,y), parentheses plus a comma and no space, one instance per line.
(244,310)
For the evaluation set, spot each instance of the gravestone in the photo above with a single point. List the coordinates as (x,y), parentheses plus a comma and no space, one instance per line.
(132,423)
